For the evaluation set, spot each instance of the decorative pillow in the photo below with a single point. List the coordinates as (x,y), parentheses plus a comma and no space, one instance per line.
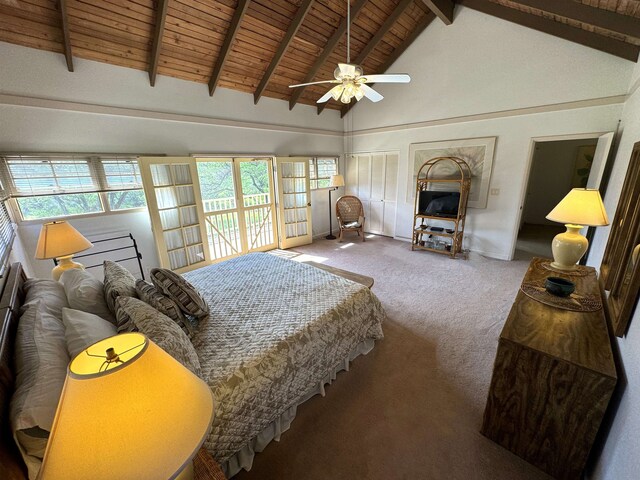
(160,329)
(181,291)
(86,293)
(82,329)
(50,291)
(117,281)
(148,293)
(41,361)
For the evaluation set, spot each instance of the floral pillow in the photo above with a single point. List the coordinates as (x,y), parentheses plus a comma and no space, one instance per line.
(117,281)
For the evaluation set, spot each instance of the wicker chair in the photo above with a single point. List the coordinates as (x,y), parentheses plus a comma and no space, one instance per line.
(350,214)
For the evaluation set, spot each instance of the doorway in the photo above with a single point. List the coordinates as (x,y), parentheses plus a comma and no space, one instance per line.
(557,165)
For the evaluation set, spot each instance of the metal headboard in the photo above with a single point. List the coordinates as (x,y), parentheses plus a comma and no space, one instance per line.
(132,246)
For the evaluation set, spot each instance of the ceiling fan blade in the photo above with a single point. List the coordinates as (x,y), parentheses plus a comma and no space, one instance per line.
(387,78)
(325,97)
(370,93)
(313,83)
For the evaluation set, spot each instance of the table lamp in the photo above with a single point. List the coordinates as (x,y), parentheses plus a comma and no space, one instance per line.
(335,182)
(579,208)
(60,240)
(127,410)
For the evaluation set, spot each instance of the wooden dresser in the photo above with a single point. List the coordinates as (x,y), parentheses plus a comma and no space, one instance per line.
(553,377)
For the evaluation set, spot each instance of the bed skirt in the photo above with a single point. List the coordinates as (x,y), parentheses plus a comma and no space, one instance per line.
(243,459)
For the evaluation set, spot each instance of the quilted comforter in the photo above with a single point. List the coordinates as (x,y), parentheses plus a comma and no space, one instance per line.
(276,328)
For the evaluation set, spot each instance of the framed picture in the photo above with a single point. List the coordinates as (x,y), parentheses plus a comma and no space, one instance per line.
(477,152)
(584,160)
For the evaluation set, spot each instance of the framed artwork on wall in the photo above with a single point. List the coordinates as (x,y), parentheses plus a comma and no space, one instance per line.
(477,152)
(620,268)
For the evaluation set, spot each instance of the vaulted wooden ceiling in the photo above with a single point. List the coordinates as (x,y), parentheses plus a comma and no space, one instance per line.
(262,46)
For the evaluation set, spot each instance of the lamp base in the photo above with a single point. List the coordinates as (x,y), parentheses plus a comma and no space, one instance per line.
(568,248)
(64,264)
(330,237)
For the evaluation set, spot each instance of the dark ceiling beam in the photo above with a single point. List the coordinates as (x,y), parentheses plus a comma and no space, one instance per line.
(573,34)
(377,38)
(62,4)
(442,8)
(424,23)
(161,16)
(328,49)
(598,17)
(225,50)
(282,49)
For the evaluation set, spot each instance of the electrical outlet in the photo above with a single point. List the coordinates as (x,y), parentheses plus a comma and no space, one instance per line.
(495,191)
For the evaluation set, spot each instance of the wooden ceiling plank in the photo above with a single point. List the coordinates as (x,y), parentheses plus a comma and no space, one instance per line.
(424,23)
(333,41)
(284,45)
(442,8)
(597,17)
(232,31)
(161,17)
(573,34)
(66,40)
(377,38)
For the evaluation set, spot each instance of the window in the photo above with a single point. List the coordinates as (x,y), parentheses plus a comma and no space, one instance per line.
(58,186)
(320,171)
(7,234)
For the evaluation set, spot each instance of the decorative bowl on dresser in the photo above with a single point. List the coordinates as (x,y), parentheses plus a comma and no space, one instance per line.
(553,376)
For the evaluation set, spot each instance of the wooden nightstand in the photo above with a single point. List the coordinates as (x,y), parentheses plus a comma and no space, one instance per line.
(553,377)
(206,468)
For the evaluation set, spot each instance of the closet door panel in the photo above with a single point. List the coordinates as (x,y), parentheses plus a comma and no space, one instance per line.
(376,217)
(377,176)
(364,177)
(391,178)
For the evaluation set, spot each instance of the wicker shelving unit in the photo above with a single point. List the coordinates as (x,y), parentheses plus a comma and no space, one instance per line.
(448,241)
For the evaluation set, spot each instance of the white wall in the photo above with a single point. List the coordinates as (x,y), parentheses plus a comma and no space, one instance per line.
(552,169)
(469,69)
(620,458)
(103,108)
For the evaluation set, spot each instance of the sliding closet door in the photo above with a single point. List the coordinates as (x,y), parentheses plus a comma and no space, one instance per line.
(173,198)
(390,197)
(375,222)
(294,199)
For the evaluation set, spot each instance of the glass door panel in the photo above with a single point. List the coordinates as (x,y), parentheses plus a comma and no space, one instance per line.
(171,188)
(295,201)
(238,201)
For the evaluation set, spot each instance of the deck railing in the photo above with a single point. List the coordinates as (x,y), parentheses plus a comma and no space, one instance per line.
(229,203)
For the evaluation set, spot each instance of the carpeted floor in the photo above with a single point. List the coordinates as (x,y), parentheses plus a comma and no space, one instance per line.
(412,408)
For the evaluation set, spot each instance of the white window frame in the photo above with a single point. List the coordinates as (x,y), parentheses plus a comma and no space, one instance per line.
(313,170)
(98,177)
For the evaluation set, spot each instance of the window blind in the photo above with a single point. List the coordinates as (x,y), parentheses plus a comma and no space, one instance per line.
(7,235)
(29,176)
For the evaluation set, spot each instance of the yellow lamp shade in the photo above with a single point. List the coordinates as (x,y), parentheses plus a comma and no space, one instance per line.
(144,416)
(336,181)
(60,239)
(580,206)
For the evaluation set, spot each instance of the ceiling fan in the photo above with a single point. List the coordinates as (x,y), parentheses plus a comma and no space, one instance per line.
(351,80)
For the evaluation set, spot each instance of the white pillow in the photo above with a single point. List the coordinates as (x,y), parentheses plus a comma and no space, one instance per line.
(82,329)
(86,293)
(41,361)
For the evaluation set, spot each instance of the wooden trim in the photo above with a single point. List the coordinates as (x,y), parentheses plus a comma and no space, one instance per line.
(225,50)
(598,17)
(442,8)
(424,23)
(66,41)
(161,16)
(573,34)
(516,112)
(304,8)
(377,38)
(34,102)
(328,49)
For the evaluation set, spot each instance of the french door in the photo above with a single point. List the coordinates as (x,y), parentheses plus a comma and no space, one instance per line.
(209,209)
(238,204)
(173,197)
(294,199)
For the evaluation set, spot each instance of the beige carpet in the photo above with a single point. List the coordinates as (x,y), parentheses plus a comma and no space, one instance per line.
(412,408)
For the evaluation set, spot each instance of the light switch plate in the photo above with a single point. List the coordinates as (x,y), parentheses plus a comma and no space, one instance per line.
(494,191)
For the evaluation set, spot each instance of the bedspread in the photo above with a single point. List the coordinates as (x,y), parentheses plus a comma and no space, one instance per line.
(275,329)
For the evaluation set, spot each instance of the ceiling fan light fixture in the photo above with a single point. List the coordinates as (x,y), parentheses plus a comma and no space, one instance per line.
(336,92)
(359,94)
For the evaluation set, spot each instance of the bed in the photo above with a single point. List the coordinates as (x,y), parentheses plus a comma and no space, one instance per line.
(278,331)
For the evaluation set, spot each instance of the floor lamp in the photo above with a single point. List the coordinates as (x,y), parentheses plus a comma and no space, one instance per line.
(335,182)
